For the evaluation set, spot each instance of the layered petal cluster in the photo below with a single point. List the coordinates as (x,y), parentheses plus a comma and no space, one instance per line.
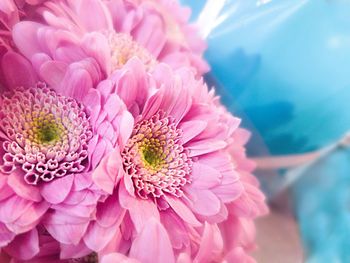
(112,148)
(180,176)
(49,145)
(69,44)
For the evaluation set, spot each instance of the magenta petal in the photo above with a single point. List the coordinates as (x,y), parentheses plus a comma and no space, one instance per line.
(56,191)
(18,71)
(24,246)
(21,188)
(74,251)
(182,211)
(152,245)
(6,236)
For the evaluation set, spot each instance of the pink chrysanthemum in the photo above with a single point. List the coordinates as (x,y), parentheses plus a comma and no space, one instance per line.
(176,179)
(69,43)
(49,145)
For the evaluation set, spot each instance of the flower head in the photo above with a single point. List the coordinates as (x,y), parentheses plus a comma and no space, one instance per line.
(46,135)
(175,172)
(49,145)
(155,158)
(68,43)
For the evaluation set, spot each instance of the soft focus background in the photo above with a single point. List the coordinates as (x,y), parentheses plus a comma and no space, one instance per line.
(284,67)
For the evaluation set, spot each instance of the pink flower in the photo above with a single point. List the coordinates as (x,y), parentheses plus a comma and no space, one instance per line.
(72,45)
(49,145)
(176,178)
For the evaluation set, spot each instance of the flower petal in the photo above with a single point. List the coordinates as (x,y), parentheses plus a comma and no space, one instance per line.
(57,190)
(152,245)
(24,246)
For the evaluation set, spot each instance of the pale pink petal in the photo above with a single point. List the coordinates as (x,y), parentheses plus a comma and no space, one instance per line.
(203,202)
(152,245)
(65,228)
(204,176)
(191,129)
(97,237)
(96,45)
(25,37)
(140,210)
(182,211)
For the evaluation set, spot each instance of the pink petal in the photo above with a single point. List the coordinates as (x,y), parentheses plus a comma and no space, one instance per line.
(96,45)
(97,237)
(117,257)
(66,229)
(177,231)
(96,9)
(53,72)
(77,82)
(56,191)
(74,251)
(110,212)
(203,202)
(182,211)
(12,208)
(191,129)
(24,246)
(152,245)
(25,37)
(210,245)
(204,176)
(6,236)
(200,148)
(18,71)
(30,218)
(106,174)
(140,210)
(21,188)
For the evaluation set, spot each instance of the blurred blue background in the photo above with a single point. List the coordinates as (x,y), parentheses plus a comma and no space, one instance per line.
(284,67)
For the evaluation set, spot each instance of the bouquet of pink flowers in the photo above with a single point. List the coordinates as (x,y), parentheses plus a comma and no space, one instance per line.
(112,147)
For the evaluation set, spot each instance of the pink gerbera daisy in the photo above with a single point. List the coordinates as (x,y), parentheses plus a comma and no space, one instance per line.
(176,177)
(68,43)
(49,145)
